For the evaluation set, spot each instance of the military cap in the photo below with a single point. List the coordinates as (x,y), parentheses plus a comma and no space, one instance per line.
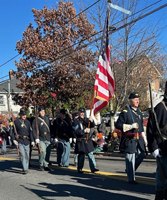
(22,111)
(75,114)
(134,95)
(81,109)
(63,111)
(41,108)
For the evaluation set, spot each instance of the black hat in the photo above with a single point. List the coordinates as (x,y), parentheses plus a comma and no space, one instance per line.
(134,95)
(75,114)
(81,109)
(22,111)
(41,108)
(0,122)
(63,111)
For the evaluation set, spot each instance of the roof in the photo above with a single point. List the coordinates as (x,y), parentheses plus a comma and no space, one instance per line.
(138,59)
(13,88)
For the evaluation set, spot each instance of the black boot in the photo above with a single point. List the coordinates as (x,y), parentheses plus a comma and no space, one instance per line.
(160,195)
(166,194)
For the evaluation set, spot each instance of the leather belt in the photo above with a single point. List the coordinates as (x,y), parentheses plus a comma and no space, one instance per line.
(136,135)
(23,136)
(80,139)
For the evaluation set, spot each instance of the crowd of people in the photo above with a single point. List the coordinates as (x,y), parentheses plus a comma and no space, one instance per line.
(88,139)
(65,130)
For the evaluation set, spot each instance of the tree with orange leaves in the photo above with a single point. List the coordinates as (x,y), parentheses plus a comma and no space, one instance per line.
(52,55)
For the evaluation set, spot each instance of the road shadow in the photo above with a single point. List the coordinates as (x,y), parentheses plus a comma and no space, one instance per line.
(11,166)
(71,184)
(78,192)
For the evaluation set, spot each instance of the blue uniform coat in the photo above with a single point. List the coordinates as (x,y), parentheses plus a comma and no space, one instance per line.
(128,143)
(82,146)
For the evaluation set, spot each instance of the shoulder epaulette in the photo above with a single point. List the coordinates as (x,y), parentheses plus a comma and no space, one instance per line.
(125,110)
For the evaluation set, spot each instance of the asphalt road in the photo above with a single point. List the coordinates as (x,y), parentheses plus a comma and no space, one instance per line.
(65,183)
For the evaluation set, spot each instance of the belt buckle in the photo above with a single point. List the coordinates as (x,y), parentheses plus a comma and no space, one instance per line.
(137,136)
(45,133)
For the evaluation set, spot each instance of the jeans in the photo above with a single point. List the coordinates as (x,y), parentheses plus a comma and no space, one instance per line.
(45,153)
(97,149)
(81,159)
(75,158)
(3,146)
(133,161)
(63,153)
(24,155)
(161,173)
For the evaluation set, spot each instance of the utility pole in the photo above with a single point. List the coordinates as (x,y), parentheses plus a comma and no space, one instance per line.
(112,126)
(8,94)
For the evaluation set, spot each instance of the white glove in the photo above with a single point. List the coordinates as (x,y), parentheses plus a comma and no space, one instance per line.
(156,153)
(127,127)
(33,144)
(74,140)
(37,141)
(91,118)
(9,137)
(15,142)
(135,126)
(56,140)
(70,140)
(87,130)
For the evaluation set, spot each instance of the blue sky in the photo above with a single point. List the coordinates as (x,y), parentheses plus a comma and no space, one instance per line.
(15,15)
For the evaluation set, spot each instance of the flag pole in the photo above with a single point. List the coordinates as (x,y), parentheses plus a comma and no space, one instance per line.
(91,108)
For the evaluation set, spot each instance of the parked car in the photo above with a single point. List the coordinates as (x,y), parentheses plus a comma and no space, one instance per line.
(145,114)
(107,117)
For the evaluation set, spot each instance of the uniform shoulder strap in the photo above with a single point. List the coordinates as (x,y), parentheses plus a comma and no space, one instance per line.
(44,123)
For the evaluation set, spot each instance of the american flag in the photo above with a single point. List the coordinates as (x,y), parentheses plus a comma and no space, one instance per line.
(104,82)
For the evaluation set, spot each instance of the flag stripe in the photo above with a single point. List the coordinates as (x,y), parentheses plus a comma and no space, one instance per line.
(104,82)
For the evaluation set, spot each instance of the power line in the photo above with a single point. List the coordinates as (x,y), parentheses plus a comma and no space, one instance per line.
(56,29)
(116,29)
(101,31)
(4,76)
(9,60)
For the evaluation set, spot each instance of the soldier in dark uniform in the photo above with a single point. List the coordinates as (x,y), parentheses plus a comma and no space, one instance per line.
(22,138)
(43,139)
(31,119)
(3,134)
(132,142)
(158,147)
(63,131)
(83,147)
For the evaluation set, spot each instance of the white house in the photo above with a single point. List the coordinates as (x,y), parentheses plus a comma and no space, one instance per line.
(6,103)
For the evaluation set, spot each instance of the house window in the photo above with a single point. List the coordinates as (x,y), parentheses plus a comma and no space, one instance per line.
(1,100)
